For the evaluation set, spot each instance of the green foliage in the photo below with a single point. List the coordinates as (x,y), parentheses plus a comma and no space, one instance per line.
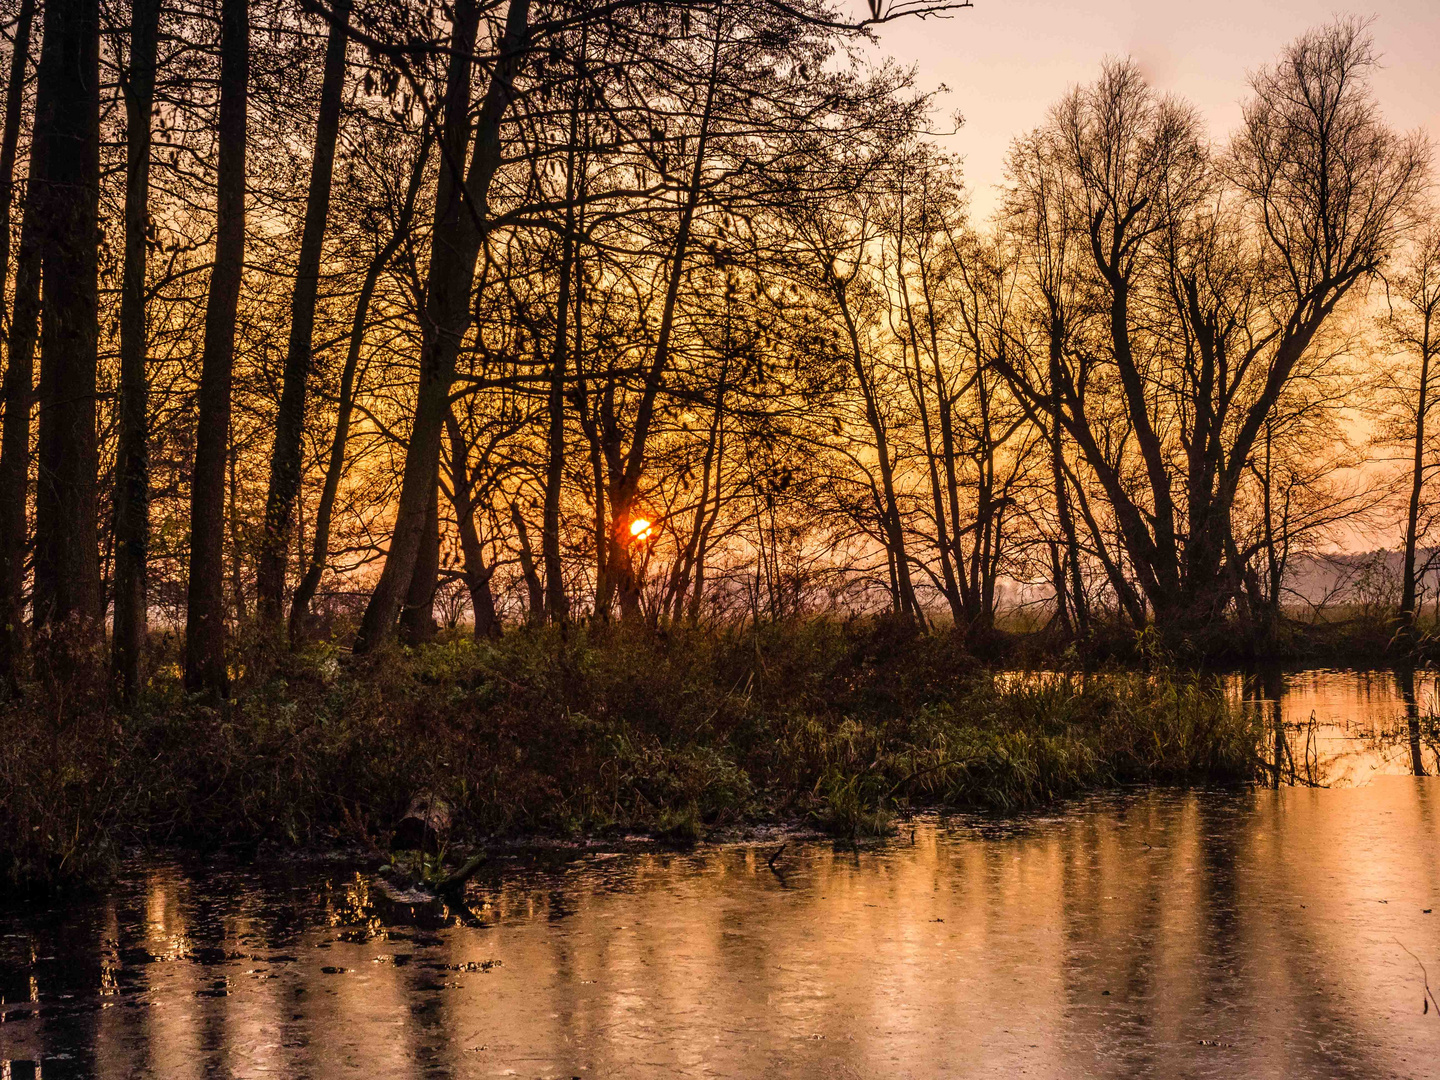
(587,731)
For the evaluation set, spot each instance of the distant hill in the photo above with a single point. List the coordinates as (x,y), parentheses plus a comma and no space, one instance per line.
(1350,577)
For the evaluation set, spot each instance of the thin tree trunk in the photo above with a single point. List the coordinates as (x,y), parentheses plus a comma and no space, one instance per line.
(590,426)
(132,469)
(942,545)
(556,604)
(335,468)
(287,452)
(697,592)
(10,139)
(1412,512)
(692,555)
(205,609)
(625,488)
(904,590)
(237,568)
(945,408)
(20,353)
(67,558)
(477,574)
(459,203)
(1064,516)
(527,566)
(417,617)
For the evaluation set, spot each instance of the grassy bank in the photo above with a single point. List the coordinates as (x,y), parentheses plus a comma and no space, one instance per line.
(1344,636)
(583,733)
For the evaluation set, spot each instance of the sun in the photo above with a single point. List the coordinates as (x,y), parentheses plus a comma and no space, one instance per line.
(640,528)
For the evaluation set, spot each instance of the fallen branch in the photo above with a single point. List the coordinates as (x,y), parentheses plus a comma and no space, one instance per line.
(1425,976)
(464,874)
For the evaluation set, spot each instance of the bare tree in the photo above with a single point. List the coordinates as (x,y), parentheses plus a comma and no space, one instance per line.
(67,598)
(471,154)
(285,455)
(19,352)
(205,662)
(132,484)
(1412,325)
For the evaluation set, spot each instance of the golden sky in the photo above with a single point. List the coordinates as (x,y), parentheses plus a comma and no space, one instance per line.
(1006,61)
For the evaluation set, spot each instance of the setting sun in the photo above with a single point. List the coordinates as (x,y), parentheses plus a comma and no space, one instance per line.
(640,528)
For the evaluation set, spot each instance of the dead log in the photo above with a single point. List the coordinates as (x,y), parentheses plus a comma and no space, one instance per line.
(425,824)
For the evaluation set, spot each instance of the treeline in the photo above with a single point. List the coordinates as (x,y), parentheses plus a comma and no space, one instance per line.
(411,312)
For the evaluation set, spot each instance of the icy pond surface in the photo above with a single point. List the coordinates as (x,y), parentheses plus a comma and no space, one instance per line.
(1266,933)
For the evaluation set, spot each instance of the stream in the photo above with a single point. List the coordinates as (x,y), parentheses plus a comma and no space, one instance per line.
(1281,931)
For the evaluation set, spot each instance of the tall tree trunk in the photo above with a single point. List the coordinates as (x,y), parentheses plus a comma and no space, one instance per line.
(590,426)
(417,617)
(20,352)
(237,546)
(1408,585)
(942,538)
(692,554)
(556,603)
(132,469)
(10,138)
(67,557)
(1069,560)
(460,201)
(286,452)
(335,467)
(205,611)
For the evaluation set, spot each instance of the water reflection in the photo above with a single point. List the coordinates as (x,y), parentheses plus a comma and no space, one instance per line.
(1201,934)
(1343,728)
(1406,677)
(1204,934)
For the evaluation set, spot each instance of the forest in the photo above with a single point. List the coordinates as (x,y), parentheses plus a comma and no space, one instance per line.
(507,344)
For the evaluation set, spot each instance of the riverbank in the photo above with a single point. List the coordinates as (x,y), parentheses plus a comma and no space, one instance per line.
(1342,636)
(583,733)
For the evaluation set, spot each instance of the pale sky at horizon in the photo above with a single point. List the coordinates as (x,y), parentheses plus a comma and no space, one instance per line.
(1007,61)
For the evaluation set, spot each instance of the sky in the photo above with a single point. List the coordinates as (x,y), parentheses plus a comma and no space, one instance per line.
(1006,62)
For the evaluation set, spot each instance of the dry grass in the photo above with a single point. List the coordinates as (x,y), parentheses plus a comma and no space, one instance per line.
(585,732)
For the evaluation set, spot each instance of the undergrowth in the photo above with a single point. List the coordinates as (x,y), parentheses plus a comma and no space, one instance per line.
(584,732)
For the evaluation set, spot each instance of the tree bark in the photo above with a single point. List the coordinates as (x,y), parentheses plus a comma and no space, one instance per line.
(205,611)
(286,452)
(20,352)
(1408,584)
(67,561)
(417,618)
(132,469)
